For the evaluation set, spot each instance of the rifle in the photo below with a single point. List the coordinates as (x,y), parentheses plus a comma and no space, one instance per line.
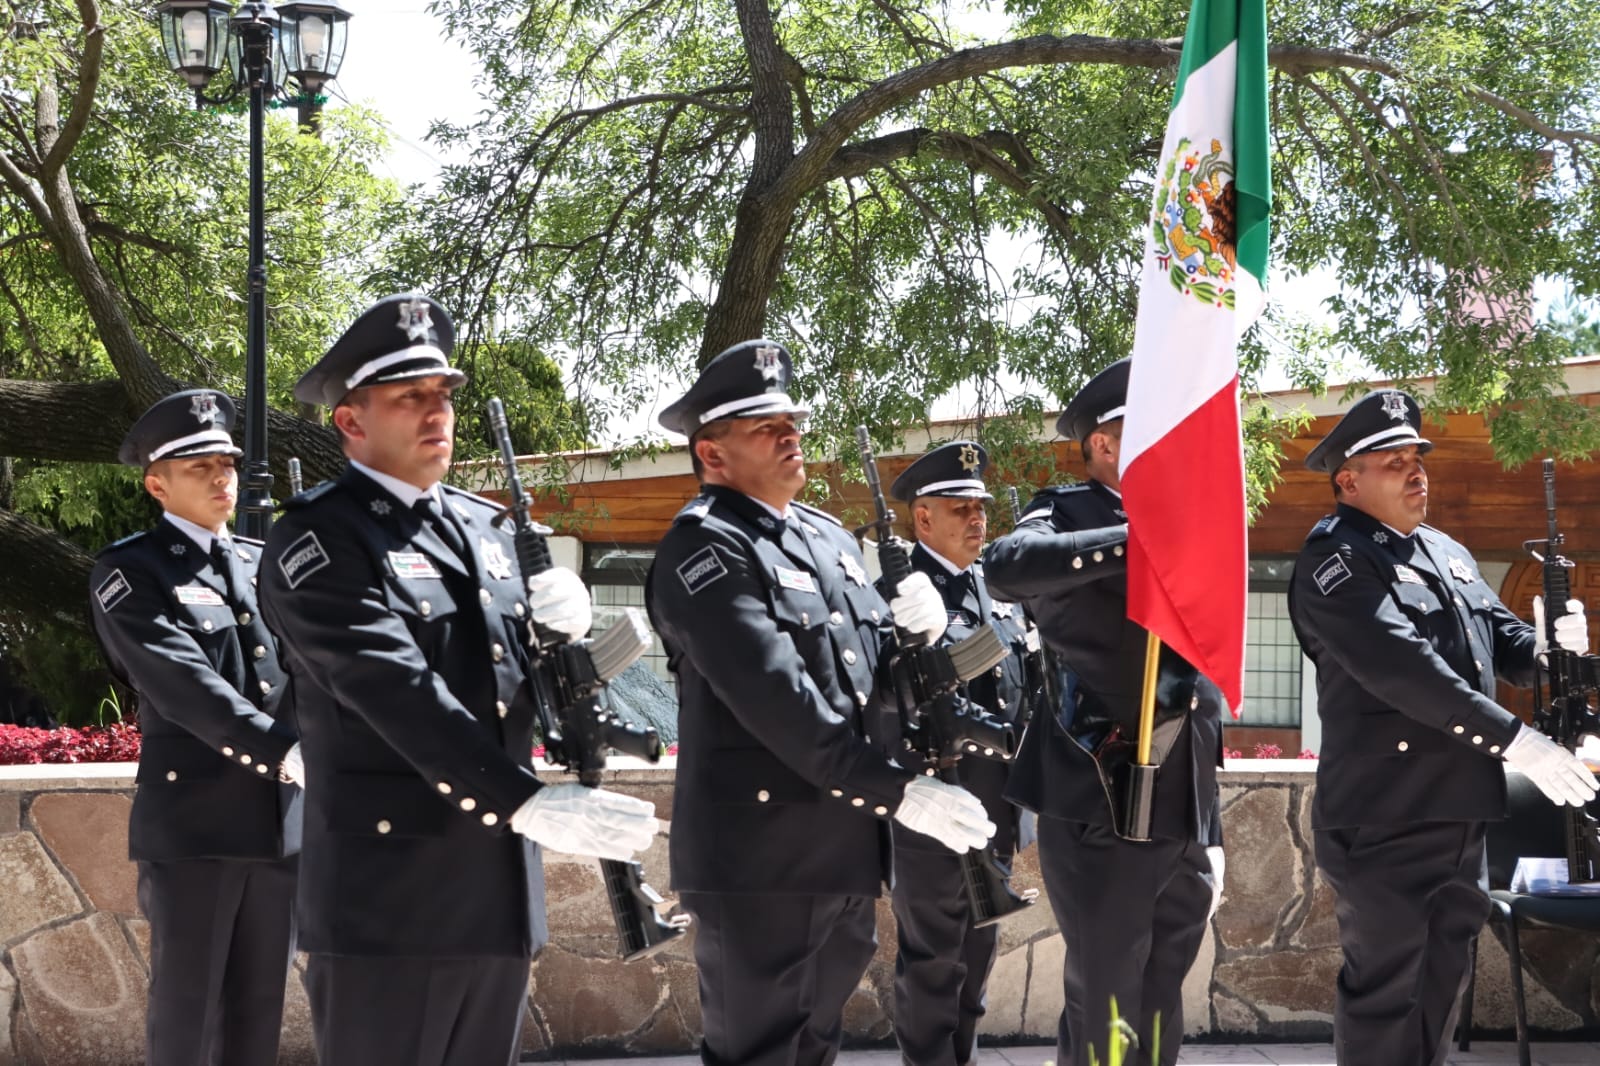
(295,484)
(1572,679)
(566,678)
(936,720)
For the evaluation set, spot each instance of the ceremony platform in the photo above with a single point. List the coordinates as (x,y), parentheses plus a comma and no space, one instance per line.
(1482,1054)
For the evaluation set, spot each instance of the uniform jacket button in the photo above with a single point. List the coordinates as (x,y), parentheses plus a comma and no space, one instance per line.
(497,652)
(260,651)
(244,618)
(172,775)
(1077,562)
(805,618)
(763,796)
(501,708)
(245,759)
(849,657)
(261,767)
(858,802)
(880,810)
(518,610)
(444,788)
(1460,729)
(1477,739)
(998,671)
(1494,749)
(206,625)
(468,803)
(425,608)
(1099,557)
(1117,550)
(835,618)
(1459,603)
(861,698)
(837,793)
(1402,745)
(383,825)
(484,597)
(265,688)
(1000,701)
(1194,703)
(227,749)
(875,616)
(490,818)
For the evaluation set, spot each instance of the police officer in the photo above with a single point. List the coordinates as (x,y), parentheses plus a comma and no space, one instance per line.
(1133,913)
(403,622)
(943,962)
(215,825)
(1408,639)
(784,791)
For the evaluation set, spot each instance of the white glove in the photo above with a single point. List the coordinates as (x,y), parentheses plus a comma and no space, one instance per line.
(1560,775)
(293,767)
(559,601)
(1572,628)
(1219,863)
(947,813)
(587,821)
(918,608)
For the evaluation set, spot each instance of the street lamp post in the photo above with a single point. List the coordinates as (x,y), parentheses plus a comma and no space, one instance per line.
(264,47)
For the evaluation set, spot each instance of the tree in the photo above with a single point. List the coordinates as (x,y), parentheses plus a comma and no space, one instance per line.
(919,210)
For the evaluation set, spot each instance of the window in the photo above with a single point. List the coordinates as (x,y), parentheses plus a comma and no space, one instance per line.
(616,575)
(1272,659)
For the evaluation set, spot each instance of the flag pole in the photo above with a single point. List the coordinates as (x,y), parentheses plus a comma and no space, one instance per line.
(1139,800)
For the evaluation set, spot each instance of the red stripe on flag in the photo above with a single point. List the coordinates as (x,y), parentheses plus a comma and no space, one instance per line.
(1187,561)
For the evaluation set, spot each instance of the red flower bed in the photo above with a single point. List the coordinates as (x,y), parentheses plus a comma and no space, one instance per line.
(111,743)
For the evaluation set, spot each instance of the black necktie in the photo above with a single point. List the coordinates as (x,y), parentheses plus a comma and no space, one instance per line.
(222,562)
(427,509)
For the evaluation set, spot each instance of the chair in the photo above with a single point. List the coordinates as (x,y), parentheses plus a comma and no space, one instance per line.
(1533,827)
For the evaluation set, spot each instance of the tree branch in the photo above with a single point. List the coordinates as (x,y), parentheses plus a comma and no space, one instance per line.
(42,575)
(88,82)
(1529,119)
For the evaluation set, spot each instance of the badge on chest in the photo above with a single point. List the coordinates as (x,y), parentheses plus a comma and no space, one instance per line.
(798,580)
(412,565)
(198,595)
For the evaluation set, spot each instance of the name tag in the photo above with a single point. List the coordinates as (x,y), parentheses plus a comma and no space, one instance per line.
(1408,575)
(198,594)
(412,564)
(798,580)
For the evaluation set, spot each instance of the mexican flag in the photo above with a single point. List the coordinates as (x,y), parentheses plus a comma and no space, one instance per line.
(1205,267)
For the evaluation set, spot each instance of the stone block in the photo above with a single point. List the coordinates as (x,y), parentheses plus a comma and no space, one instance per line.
(675,1028)
(139,933)
(8,996)
(1197,986)
(575,900)
(88,834)
(1287,989)
(593,1002)
(296,1041)
(1008,990)
(1041,1013)
(10,812)
(1037,921)
(1258,896)
(866,1016)
(35,892)
(83,993)
(1493,1005)
(1234,1017)
(1320,927)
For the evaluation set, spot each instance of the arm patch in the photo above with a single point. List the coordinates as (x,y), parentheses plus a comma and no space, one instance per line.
(302,559)
(701,569)
(1333,572)
(113,590)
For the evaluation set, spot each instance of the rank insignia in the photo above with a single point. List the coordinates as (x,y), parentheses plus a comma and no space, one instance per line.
(494,559)
(379,507)
(968,458)
(204,408)
(178,549)
(1380,537)
(767,363)
(415,319)
(852,569)
(1461,571)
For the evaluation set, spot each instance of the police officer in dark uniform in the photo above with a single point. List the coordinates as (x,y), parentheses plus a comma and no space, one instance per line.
(215,823)
(780,817)
(1408,639)
(1132,913)
(404,622)
(943,963)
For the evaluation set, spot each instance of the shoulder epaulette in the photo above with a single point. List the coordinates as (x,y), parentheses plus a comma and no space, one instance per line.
(1324,526)
(816,512)
(463,496)
(123,543)
(694,510)
(240,538)
(309,496)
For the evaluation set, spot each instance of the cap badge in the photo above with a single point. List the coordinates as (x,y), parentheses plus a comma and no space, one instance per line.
(415,319)
(1394,405)
(767,363)
(969,458)
(204,408)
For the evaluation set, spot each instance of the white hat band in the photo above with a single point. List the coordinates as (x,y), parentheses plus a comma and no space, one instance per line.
(208,436)
(1392,433)
(748,403)
(940,486)
(1115,412)
(384,362)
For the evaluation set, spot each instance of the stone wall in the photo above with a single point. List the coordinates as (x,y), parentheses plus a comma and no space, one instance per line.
(73,949)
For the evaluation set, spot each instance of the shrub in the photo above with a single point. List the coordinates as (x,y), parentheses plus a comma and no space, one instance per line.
(111,743)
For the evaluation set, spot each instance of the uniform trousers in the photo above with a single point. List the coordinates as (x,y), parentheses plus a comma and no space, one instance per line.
(221,944)
(941,970)
(371,1010)
(775,973)
(1411,898)
(1133,916)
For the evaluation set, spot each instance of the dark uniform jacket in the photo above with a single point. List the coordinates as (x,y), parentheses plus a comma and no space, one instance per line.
(211,693)
(775,634)
(408,665)
(1065,563)
(1000,692)
(1407,639)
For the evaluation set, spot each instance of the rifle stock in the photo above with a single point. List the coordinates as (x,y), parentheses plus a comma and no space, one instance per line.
(566,678)
(935,718)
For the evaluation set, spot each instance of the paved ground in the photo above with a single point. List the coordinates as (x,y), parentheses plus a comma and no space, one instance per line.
(1482,1054)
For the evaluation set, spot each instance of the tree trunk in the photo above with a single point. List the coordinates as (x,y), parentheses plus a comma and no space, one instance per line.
(42,574)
